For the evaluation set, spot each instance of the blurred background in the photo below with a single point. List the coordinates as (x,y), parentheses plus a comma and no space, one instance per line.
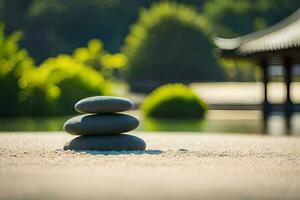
(55,52)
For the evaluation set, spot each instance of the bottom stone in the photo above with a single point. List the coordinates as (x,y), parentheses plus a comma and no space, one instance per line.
(120,142)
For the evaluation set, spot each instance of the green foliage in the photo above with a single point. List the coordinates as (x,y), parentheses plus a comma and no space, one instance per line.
(240,69)
(173,101)
(233,18)
(90,55)
(52,88)
(59,26)
(169,43)
(96,57)
(59,83)
(13,62)
(52,27)
(114,61)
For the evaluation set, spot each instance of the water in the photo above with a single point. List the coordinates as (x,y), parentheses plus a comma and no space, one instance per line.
(209,125)
(248,122)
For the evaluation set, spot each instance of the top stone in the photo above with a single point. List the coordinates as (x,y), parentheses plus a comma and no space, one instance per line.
(103,104)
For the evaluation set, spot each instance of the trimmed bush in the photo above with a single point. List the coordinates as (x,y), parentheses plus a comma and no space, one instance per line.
(173,101)
(169,43)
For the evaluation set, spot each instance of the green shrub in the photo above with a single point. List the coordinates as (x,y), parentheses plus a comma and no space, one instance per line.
(59,83)
(240,70)
(96,57)
(55,86)
(174,101)
(91,54)
(170,43)
(13,62)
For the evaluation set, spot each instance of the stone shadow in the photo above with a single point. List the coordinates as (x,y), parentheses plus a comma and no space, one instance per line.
(135,152)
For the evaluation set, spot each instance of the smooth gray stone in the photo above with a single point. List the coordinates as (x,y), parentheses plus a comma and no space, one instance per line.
(103,104)
(120,142)
(104,124)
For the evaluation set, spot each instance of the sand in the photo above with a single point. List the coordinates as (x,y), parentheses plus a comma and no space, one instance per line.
(175,166)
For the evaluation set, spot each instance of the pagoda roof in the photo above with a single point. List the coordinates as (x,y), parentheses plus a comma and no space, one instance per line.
(281,36)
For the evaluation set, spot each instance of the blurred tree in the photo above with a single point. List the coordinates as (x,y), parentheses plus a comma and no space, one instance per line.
(236,17)
(54,87)
(240,70)
(13,62)
(14,13)
(59,26)
(96,57)
(169,43)
(52,27)
(233,18)
(90,55)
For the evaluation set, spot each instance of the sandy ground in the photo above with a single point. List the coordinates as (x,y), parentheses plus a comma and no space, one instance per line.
(175,166)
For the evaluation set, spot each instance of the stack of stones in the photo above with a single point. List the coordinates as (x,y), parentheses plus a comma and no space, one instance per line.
(101,126)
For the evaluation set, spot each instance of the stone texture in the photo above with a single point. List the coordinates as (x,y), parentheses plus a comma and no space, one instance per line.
(104,124)
(103,104)
(119,142)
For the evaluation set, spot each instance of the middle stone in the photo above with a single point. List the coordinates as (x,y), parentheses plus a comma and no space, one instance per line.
(104,124)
